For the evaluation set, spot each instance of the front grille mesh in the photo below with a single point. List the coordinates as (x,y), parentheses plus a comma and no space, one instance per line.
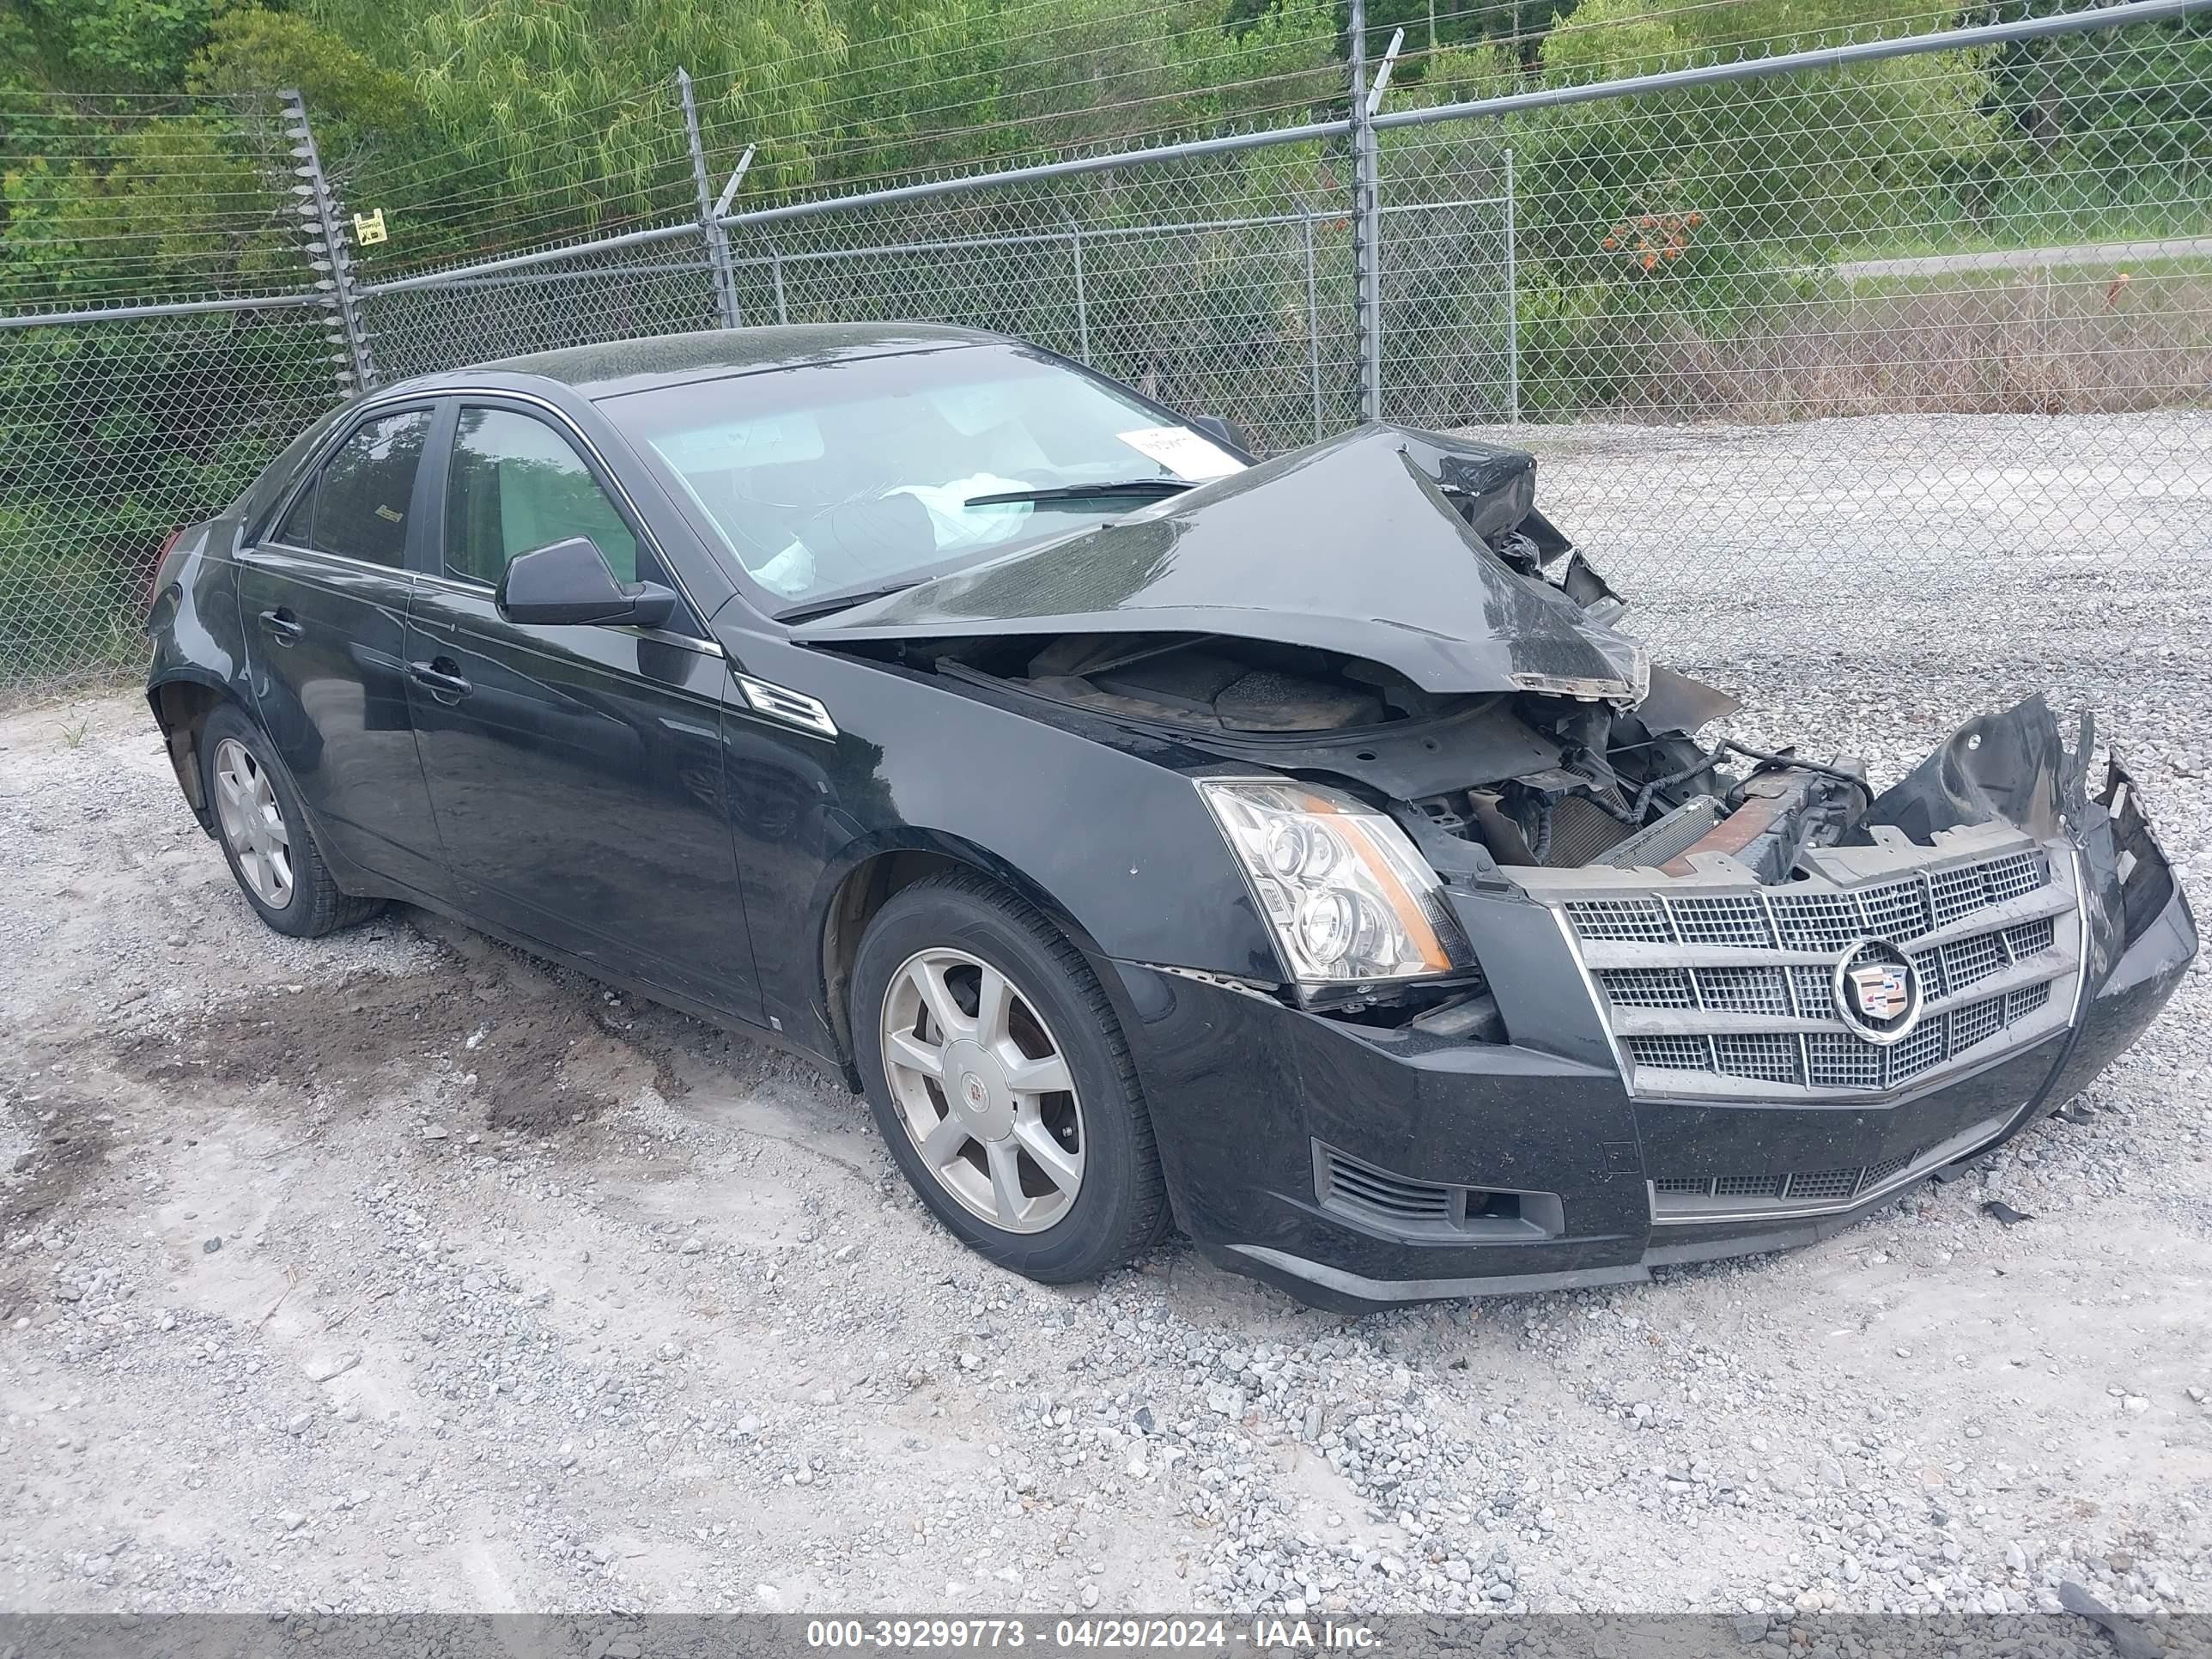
(1743,990)
(1839,1059)
(1894,910)
(1795,1187)
(1800,995)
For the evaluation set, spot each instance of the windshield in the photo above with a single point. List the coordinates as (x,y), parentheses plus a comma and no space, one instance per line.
(846,477)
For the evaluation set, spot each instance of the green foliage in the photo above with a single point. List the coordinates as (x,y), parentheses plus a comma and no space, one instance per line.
(253,51)
(114,44)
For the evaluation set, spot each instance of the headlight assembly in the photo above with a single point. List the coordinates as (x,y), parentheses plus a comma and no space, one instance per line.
(1349,899)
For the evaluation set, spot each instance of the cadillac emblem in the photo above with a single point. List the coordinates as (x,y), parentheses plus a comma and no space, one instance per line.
(1877,994)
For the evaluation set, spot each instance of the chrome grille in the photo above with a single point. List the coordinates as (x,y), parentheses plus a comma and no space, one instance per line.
(1929,965)
(1678,1053)
(1815,998)
(1895,910)
(1819,921)
(1967,960)
(1651,987)
(1771,1055)
(1634,921)
(1723,921)
(1976,1021)
(1743,990)
(1731,1010)
(1958,893)
(1840,1060)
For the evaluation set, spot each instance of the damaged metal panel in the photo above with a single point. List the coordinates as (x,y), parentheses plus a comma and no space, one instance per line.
(1368,545)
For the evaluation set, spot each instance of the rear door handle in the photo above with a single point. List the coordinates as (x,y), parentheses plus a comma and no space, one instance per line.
(439,676)
(282,626)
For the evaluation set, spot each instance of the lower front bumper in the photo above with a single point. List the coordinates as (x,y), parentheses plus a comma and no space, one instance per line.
(1547,1158)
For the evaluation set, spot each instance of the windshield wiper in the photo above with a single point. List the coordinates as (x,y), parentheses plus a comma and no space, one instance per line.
(828,603)
(1084,492)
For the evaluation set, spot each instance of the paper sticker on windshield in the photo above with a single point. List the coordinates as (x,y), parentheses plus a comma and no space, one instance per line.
(1182,452)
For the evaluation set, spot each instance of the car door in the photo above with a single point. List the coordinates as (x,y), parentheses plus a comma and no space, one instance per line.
(575,771)
(323,597)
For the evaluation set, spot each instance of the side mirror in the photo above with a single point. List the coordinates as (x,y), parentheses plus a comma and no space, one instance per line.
(571,581)
(1222,433)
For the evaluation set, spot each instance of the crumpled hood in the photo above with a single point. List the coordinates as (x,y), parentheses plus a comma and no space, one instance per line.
(1349,545)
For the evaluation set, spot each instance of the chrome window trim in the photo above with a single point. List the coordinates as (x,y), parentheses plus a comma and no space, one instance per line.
(247,555)
(583,439)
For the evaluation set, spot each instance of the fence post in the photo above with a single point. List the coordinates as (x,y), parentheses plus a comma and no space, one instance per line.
(1082,298)
(1513,305)
(1313,325)
(710,227)
(1367,225)
(327,253)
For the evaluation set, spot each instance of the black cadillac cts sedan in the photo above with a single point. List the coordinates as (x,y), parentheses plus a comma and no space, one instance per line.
(1294,851)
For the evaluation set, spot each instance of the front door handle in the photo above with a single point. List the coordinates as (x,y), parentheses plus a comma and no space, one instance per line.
(439,676)
(282,626)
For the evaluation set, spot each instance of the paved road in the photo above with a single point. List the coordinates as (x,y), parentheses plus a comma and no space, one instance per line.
(2030,259)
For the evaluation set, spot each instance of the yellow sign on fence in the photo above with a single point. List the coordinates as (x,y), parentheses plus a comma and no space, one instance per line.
(368,228)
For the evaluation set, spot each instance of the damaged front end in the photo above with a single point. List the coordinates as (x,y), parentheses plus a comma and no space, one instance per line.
(1613,953)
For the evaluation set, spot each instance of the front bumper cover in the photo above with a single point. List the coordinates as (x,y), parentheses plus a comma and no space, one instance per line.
(1308,1152)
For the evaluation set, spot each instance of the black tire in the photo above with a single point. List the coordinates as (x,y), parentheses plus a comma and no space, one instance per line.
(1120,1207)
(316,906)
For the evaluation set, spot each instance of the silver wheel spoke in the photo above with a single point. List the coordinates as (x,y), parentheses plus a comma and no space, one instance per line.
(993,1004)
(232,788)
(937,996)
(905,1049)
(1047,1076)
(943,1143)
(1062,1168)
(1005,1182)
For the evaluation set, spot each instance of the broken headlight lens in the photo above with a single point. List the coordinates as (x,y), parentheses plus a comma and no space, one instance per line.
(1348,898)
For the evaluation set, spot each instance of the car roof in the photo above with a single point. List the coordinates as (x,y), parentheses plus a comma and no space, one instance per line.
(635,365)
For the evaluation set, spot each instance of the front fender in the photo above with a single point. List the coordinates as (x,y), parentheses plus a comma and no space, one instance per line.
(1115,842)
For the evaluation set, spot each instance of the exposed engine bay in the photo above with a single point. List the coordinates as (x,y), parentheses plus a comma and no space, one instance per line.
(1389,615)
(1533,779)
(1561,778)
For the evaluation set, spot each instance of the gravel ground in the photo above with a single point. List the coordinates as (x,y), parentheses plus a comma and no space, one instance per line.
(399,1270)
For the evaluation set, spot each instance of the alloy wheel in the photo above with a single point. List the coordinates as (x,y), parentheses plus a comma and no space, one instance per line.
(984,1090)
(252,824)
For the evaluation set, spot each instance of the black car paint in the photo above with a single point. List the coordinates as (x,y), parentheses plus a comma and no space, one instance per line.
(610,798)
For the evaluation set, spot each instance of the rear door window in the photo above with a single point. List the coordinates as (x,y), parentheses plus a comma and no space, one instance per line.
(361,498)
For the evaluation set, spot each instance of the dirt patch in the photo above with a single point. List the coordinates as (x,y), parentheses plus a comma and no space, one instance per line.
(73,1138)
(488,1039)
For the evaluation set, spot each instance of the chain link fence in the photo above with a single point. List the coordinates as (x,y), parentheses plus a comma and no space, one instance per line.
(1804,343)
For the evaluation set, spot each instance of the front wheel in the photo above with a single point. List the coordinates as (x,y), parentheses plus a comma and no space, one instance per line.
(1001,1082)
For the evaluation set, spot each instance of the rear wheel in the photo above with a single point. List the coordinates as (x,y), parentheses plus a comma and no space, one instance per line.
(264,833)
(1001,1082)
